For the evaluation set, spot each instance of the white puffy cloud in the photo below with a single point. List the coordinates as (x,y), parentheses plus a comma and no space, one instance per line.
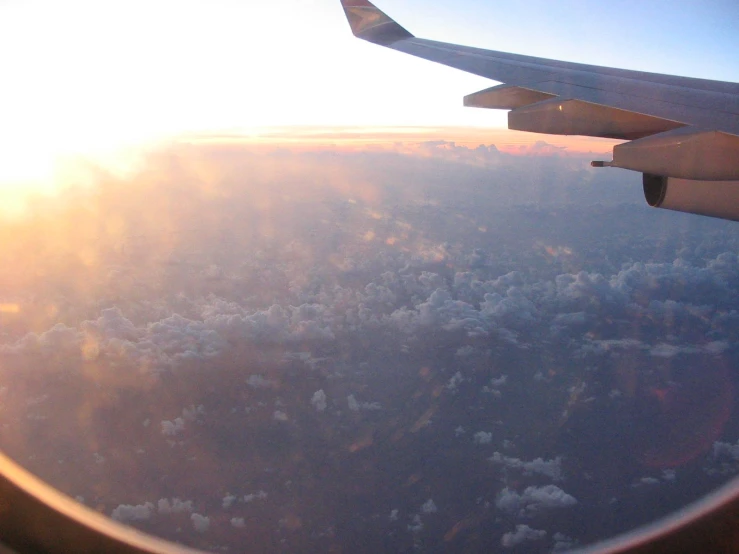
(175,506)
(127,512)
(533,499)
(440,310)
(669,475)
(726,450)
(238,522)
(280,416)
(563,543)
(514,309)
(319,400)
(416,525)
(352,402)
(663,350)
(454,381)
(173,428)
(111,325)
(465,351)
(549,468)
(507,307)
(600,347)
(200,523)
(523,533)
(228,501)
(495,382)
(59,340)
(355,405)
(429,507)
(481,437)
(260,495)
(646,481)
(716,347)
(724,459)
(276,324)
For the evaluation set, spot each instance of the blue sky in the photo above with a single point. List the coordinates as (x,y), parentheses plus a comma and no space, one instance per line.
(89,75)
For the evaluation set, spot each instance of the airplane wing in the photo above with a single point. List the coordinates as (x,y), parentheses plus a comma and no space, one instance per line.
(682,133)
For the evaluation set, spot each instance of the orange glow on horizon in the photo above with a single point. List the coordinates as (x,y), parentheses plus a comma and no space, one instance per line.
(358,138)
(426,142)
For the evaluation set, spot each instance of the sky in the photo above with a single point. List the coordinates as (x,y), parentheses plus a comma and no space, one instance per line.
(89,77)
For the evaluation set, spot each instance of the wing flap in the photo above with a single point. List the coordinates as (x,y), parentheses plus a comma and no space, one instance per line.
(655,106)
(559,116)
(505,97)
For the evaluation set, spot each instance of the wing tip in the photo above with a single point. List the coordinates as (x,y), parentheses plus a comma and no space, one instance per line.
(370,23)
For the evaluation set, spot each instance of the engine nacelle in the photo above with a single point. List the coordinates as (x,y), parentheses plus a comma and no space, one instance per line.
(688,153)
(712,198)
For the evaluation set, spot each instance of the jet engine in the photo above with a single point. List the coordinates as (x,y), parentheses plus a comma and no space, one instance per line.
(711,198)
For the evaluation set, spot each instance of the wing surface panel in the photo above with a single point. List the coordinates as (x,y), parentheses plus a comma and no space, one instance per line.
(691,106)
(686,100)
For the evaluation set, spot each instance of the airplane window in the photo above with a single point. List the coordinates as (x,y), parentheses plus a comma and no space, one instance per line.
(269,288)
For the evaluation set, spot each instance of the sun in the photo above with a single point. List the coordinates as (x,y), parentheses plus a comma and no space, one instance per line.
(42,164)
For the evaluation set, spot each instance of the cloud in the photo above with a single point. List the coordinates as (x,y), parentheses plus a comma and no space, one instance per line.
(481,437)
(549,468)
(173,428)
(416,525)
(716,347)
(533,499)
(352,402)
(175,506)
(429,507)
(319,400)
(454,381)
(126,512)
(355,406)
(563,543)
(260,495)
(723,459)
(59,340)
(200,523)
(494,384)
(669,475)
(523,533)
(726,450)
